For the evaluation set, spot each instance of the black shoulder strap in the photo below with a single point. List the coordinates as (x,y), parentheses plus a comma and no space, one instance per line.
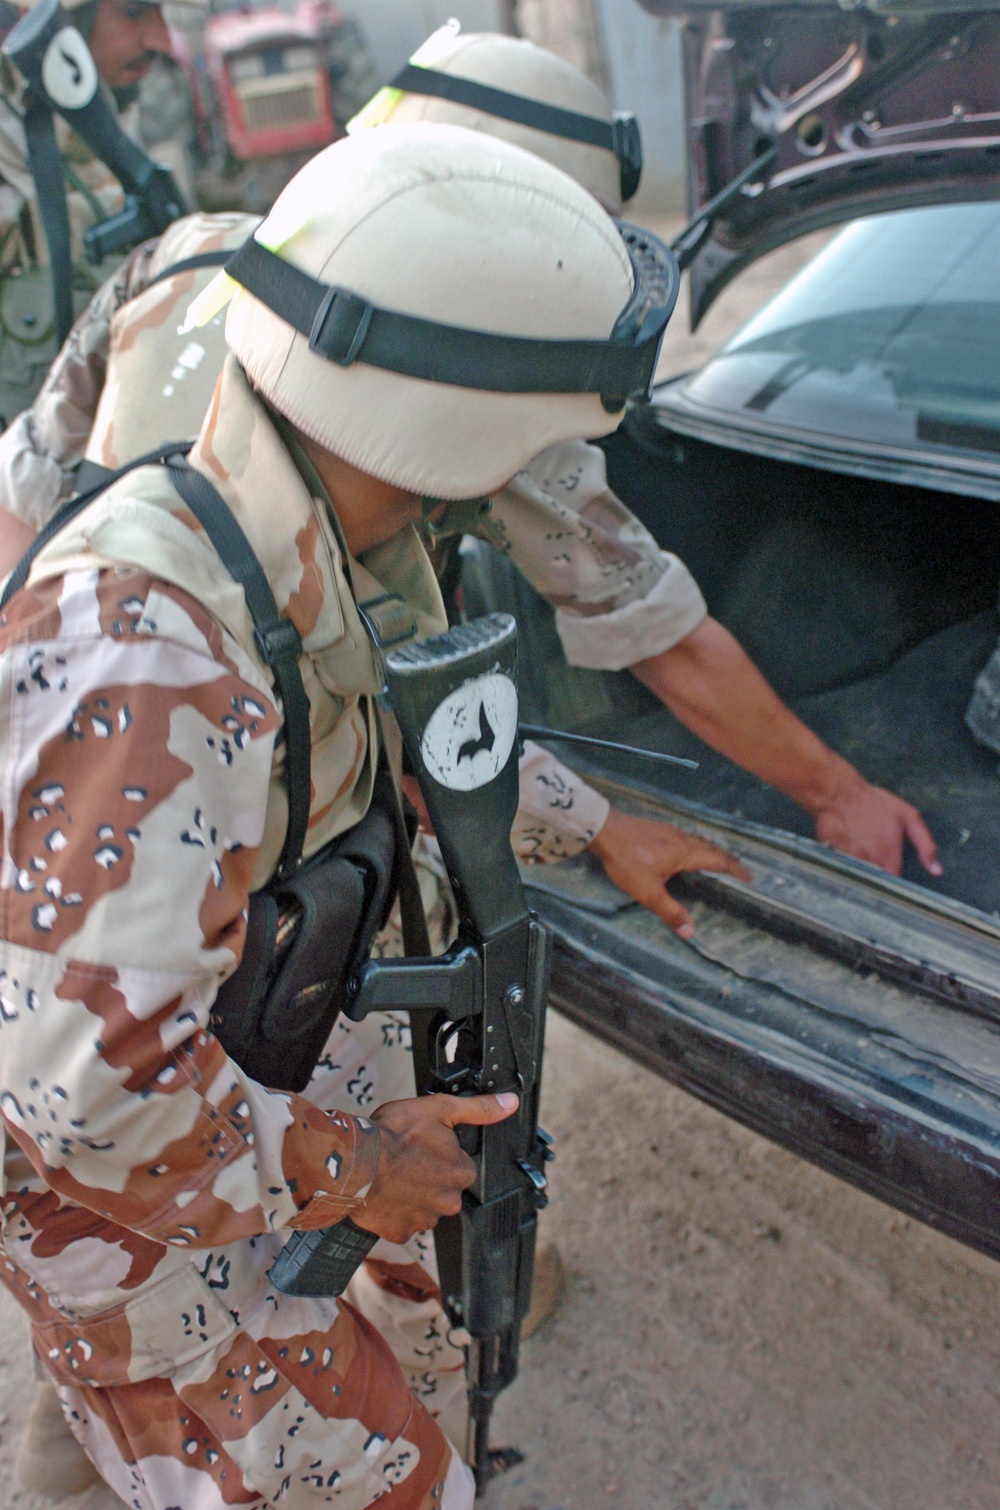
(45,162)
(277,640)
(76,505)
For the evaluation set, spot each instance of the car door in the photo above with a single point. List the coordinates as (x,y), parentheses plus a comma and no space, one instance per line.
(871,107)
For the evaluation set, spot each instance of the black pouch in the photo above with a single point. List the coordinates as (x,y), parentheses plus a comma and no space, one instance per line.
(305,938)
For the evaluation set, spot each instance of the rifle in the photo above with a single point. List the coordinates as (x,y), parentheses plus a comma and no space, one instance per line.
(477,1012)
(55,61)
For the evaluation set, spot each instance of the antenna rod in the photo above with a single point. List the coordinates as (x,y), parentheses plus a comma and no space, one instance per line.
(539,731)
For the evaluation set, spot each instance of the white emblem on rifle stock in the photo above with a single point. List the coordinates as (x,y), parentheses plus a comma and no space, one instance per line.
(69,73)
(470,734)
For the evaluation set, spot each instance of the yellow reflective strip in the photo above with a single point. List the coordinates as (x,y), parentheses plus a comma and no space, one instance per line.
(376,112)
(205,306)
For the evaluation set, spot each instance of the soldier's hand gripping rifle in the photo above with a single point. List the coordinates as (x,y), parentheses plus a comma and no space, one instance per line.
(477,1012)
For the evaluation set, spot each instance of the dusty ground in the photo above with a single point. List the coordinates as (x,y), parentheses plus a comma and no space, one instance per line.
(739,1331)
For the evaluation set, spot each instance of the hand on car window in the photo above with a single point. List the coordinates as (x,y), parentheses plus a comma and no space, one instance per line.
(640,855)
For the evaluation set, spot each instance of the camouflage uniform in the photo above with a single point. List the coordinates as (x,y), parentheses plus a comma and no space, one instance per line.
(123,364)
(142,781)
(126,365)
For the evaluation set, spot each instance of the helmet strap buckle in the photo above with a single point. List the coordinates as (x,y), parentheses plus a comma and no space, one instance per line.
(340,327)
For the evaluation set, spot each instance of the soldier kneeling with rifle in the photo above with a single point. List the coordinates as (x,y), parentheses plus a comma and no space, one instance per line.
(423,312)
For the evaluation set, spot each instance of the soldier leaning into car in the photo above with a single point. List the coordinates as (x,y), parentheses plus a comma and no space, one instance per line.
(620,601)
(125,39)
(150,1182)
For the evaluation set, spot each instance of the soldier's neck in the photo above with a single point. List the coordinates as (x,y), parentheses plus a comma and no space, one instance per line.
(369,511)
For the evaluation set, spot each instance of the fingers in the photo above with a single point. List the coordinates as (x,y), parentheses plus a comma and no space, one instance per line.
(922,840)
(473,1111)
(670,911)
(704,855)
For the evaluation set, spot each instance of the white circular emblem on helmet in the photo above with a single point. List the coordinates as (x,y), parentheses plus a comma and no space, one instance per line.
(69,73)
(470,734)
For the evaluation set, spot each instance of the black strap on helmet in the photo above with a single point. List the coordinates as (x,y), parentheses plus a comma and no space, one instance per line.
(620,136)
(344,328)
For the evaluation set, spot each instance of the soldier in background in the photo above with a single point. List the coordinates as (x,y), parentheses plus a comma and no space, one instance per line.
(126,37)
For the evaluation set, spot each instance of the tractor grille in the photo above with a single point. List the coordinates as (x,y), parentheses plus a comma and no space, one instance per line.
(281,100)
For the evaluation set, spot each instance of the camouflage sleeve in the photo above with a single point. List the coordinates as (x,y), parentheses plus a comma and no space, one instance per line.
(41,448)
(137,755)
(558,814)
(618,597)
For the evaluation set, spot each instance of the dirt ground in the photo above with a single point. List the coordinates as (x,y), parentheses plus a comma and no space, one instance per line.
(739,1331)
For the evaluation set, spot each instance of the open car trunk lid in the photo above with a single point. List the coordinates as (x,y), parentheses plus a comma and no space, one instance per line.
(871,108)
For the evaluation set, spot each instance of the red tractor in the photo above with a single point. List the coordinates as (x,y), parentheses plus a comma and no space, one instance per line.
(272,82)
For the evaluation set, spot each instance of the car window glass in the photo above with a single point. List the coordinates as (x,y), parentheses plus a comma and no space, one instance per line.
(890,335)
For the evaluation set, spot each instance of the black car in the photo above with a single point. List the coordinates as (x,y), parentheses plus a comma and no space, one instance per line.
(831,477)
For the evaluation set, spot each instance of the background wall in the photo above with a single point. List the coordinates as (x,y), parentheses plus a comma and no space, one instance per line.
(395,28)
(642,65)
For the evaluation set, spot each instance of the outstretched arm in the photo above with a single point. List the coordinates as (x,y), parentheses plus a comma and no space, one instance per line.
(709,682)
(622,602)
(559,815)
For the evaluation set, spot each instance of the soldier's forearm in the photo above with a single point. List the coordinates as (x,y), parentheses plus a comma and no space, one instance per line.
(709,683)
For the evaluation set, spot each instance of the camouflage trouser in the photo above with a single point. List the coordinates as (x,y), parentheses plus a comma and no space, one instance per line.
(298,1408)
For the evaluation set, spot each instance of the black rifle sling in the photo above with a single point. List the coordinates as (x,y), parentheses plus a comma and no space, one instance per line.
(76,505)
(277,640)
(45,162)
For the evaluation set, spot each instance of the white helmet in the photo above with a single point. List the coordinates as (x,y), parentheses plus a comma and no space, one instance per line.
(445,306)
(521,93)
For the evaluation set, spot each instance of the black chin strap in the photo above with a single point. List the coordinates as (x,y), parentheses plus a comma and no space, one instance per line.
(45,162)
(506,106)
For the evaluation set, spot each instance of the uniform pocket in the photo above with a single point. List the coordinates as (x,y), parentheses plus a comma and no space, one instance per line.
(151,1335)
